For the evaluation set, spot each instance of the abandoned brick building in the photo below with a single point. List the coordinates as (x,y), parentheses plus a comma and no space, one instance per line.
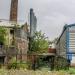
(16,41)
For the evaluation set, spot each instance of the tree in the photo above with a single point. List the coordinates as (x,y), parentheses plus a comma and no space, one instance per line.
(39,43)
(55,40)
(2,35)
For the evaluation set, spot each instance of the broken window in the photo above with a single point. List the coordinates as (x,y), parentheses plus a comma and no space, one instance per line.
(11,31)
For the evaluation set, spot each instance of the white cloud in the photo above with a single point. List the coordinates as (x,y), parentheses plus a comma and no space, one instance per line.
(51,14)
(4,9)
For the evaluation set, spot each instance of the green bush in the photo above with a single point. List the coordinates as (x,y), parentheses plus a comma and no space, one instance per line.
(23,65)
(13,64)
(72,71)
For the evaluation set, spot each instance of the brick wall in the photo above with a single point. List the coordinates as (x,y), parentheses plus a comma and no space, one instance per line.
(13,10)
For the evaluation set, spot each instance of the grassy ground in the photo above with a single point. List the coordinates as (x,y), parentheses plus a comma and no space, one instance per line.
(37,72)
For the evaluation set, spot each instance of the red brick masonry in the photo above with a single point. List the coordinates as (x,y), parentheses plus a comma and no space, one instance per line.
(52,50)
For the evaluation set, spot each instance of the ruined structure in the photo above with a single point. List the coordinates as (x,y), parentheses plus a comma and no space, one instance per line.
(16,42)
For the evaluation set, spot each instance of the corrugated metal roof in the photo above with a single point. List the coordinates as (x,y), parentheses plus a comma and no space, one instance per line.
(64,28)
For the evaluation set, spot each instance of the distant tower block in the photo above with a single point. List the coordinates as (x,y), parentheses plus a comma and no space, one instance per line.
(13,10)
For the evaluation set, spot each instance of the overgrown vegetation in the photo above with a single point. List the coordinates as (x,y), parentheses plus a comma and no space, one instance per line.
(17,64)
(39,43)
(31,72)
(2,35)
(72,71)
(61,63)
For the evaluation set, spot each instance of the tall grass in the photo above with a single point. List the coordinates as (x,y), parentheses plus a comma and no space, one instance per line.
(37,72)
(71,71)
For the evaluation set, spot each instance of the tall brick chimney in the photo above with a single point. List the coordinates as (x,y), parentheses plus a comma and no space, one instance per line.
(13,10)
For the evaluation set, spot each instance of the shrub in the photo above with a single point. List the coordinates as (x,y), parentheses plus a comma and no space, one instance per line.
(72,71)
(13,64)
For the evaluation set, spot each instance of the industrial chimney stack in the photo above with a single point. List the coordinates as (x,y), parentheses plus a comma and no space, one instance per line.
(13,10)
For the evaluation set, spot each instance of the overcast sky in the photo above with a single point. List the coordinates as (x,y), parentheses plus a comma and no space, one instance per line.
(51,14)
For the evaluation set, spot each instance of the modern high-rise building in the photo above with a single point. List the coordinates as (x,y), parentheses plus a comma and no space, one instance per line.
(33,23)
(14,10)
